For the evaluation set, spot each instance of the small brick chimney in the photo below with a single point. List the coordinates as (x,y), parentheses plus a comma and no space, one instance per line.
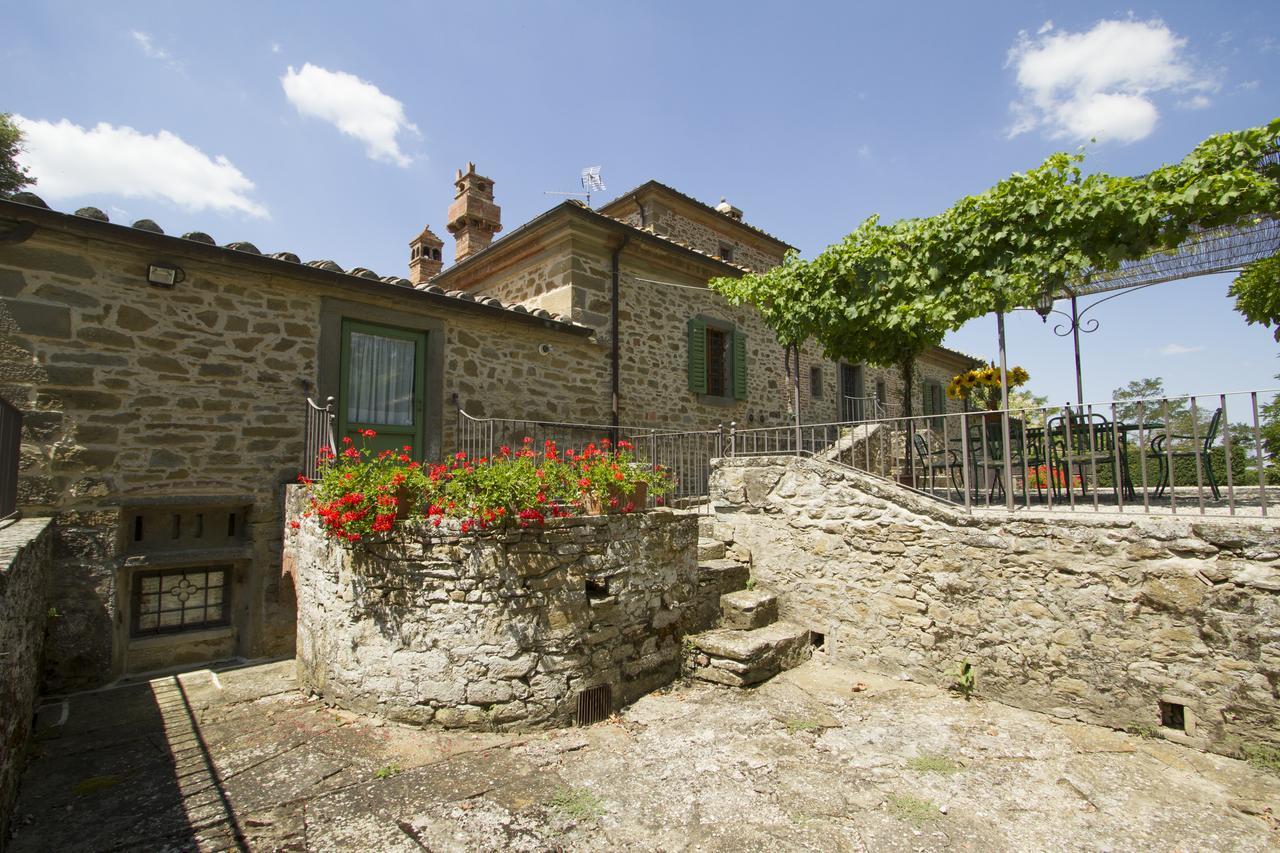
(426,256)
(473,217)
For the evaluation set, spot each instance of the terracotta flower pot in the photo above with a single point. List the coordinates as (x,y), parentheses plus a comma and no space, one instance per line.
(639,498)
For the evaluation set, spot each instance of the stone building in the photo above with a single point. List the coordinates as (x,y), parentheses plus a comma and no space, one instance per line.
(686,358)
(164,381)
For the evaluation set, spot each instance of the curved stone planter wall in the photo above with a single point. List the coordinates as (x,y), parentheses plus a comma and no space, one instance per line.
(496,630)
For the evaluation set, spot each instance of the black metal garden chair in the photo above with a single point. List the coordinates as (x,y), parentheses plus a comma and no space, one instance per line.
(933,461)
(1082,443)
(1167,455)
(986,452)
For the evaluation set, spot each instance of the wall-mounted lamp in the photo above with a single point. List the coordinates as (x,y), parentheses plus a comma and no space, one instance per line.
(164,275)
(544,349)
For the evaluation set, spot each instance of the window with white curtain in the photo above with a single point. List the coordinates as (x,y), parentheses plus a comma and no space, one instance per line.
(380,382)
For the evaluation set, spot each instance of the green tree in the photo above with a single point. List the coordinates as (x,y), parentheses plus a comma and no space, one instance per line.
(1151,390)
(887,293)
(1257,293)
(13,176)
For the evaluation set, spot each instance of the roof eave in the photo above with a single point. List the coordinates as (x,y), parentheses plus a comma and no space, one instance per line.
(124,234)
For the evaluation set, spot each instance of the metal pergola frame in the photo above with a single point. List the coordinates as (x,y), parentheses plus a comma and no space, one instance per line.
(1208,251)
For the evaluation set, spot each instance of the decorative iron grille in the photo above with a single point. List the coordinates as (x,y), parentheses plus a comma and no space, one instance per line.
(172,600)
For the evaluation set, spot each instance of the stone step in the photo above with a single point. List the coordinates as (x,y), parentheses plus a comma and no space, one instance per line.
(706,525)
(722,576)
(743,658)
(747,609)
(710,549)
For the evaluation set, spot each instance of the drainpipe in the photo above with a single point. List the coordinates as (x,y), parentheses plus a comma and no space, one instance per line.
(615,345)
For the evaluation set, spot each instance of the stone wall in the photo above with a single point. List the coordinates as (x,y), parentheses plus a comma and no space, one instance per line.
(135,393)
(655,354)
(496,630)
(1094,619)
(704,237)
(25,559)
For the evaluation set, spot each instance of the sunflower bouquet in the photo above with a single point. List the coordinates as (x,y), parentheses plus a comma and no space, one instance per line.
(981,386)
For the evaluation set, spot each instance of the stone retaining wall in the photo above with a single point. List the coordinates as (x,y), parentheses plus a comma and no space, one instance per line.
(1095,619)
(498,630)
(25,557)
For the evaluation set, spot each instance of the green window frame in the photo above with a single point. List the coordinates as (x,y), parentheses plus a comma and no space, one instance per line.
(389,435)
(730,359)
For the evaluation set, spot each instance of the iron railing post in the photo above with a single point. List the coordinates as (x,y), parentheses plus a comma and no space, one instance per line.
(1226,448)
(1257,446)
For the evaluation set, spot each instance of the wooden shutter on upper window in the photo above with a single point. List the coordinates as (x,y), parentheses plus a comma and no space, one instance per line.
(697,355)
(739,364)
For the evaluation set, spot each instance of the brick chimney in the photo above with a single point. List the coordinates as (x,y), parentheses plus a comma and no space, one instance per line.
(426,256)
(473,217)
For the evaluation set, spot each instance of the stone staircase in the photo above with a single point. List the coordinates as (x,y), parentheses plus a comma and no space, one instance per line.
(748,645)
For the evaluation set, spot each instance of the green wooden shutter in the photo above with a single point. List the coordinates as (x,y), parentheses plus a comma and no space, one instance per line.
(928,399)
(739,364)
(697,355)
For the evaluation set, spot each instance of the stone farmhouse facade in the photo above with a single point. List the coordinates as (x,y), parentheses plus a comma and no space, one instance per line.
(163,381)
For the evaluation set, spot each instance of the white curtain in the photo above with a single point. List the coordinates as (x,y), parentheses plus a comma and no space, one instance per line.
(380,383)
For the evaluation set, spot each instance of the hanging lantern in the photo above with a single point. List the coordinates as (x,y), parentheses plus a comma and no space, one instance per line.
(1044,305)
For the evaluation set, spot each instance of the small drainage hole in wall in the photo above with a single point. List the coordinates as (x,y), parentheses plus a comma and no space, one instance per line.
(595,704)
(818,641)
(1173,716)
(597,590)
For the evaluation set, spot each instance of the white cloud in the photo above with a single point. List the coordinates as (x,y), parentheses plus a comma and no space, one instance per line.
(1044,28)
(72,161)
(864,151)
(1178,349)
(275,47)
(354,106)
(153,51)
(1100,83)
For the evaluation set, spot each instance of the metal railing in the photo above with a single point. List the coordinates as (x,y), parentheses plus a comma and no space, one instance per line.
(1204,454)
(10,455)
(319,434)
(854,409)
(685,454)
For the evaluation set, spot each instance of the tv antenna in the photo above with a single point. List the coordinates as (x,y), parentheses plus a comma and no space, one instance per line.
(591,182)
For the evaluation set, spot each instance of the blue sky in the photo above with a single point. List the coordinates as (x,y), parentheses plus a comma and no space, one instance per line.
(333,130)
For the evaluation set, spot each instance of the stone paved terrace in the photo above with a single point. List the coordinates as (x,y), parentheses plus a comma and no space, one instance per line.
(239,758)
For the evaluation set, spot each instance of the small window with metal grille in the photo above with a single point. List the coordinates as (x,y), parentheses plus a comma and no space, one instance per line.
(815,382)
(595,704)
(172,600)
